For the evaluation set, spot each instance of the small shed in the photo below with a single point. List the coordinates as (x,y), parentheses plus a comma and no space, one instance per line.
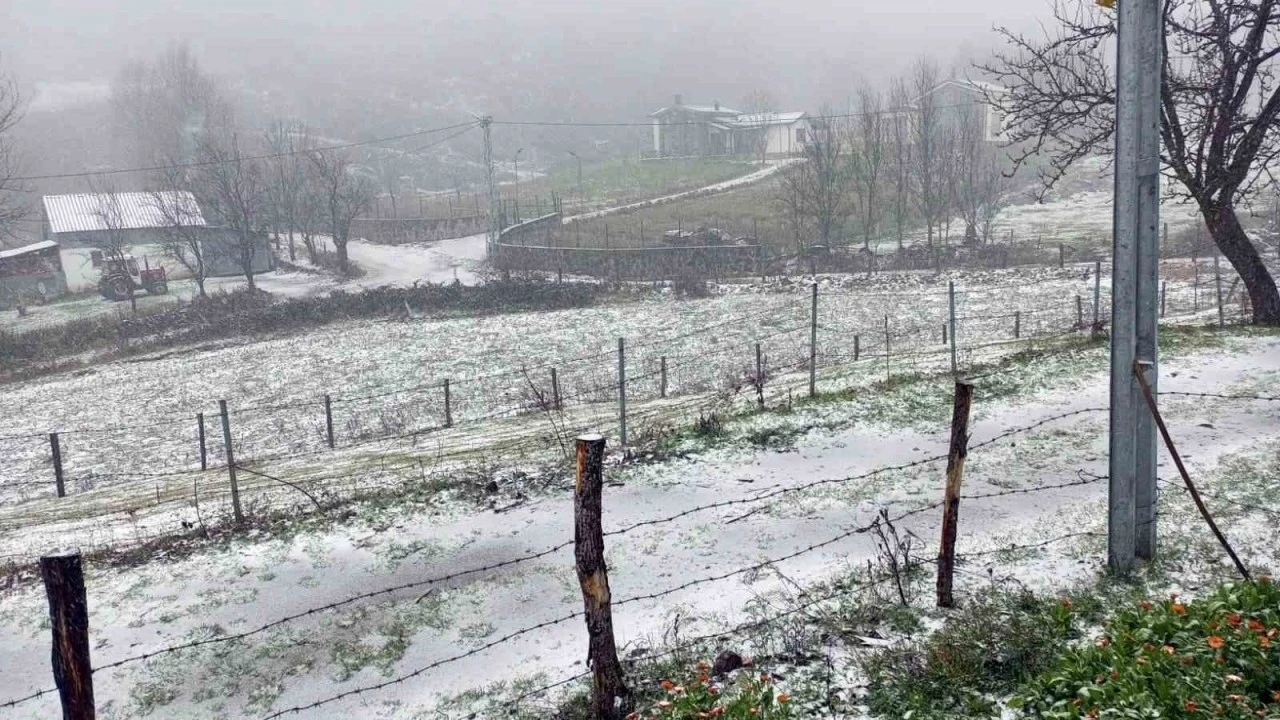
(32,271)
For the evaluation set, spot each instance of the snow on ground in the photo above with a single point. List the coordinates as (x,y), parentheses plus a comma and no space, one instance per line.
(259,580)
(748,179)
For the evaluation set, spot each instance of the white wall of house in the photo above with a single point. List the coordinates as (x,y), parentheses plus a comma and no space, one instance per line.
(783,139)
(657,136)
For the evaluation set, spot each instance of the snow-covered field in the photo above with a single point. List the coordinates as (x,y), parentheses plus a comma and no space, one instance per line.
(418,630)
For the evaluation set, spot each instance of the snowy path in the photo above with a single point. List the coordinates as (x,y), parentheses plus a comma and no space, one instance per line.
(141,609)
(733,184)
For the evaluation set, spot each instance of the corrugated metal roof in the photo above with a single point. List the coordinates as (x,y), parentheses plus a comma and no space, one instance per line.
(34,247)
(89,212)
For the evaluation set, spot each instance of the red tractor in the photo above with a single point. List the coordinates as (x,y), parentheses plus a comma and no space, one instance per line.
(121,277)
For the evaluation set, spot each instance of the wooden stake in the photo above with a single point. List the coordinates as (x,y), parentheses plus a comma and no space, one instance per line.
(231,462)
(1217,278)
(328,419)
(886,348)
(951,505)
(662,383)
(857,342)
(1097,293)
(1079,312)
(204,448)
(1164,286)
(610,698)
(555,390)
(813,344)
(56,449)
(448,405)
(63,577)
(1017,324)
(1140,375)
(622,393)
(759,377)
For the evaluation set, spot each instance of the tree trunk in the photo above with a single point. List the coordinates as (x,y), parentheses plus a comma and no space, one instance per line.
(341,248)
(1235,245)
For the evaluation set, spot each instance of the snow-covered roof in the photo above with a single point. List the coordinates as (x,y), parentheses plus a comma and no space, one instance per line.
(978,86)
(89,212)
(720,111)
(750,120)
(25,249)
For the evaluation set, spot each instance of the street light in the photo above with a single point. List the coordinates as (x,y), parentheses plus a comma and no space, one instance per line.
(575,157)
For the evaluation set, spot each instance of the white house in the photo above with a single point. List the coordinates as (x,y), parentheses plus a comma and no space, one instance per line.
(681,130)
(956,96)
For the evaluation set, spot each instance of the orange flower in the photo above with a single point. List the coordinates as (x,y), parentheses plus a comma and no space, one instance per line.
(764,677)
(1103,641)
(667,685)
(703,665)
(1187,659)
(754,711)
(703,677)
(1233,619)
(1066,603)
(1190,705)
(1178,609)
(1216,642)
(717,711)
(1255,624)
(1167,648)
(664,704)
(783,697)
(1141,661)
(635,714)
(1275,695)
(1145,604)
(1264,641)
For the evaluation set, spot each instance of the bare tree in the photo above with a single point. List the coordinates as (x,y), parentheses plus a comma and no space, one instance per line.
(1220,109)
(818,191)
(870,154)
(928,147)
(900,157)
(980,182)
(287,174)
(12,208)
(161,107)
(760,106)
(232,188)
(183,232)
(342,195)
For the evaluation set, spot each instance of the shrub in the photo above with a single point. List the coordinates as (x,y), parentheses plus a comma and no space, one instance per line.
(746,696)
(1217,657)
(999,641)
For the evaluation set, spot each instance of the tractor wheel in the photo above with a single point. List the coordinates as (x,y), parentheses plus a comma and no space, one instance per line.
(116,288)
(158,287)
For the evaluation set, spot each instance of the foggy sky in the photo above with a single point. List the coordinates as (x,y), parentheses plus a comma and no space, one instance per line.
(805,53)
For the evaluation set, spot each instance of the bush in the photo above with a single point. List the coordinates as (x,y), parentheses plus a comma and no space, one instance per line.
(1001,640)
(746,696)
(1217,657)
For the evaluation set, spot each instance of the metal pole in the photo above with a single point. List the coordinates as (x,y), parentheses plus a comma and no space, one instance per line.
(1134,247)
(622,392)
(813,344)
(1147,309)
(231,462)
(951,312)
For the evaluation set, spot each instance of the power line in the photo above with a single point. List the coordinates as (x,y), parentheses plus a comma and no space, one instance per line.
(269,156)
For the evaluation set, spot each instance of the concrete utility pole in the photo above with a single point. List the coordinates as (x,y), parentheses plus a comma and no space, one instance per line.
(1135,281)
(486,122)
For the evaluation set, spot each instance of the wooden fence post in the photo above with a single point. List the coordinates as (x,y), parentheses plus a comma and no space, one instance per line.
(662,383)
(231,462)
(622,393)
(759,376)
(555,390)
(1079,311)
(951,506)
(944,333)
(1017,324)
(448,405)
(886,349)
(610,698)
(1217,279)
(1097,293)
(1062,256)
(56,449)
(813,343)
(1164,286)
(204,447)
(328,419)
(63,577)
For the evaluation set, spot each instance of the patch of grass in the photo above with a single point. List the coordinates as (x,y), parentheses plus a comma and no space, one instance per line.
(1218,656)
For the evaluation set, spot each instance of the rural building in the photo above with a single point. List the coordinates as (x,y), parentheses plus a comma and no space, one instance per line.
(140,223)
(32,271)
(681,130)
(956,96)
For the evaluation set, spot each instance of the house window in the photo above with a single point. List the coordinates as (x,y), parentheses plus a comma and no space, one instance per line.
(800,136)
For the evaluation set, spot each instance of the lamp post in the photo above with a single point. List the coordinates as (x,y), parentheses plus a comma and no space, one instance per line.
(575,157)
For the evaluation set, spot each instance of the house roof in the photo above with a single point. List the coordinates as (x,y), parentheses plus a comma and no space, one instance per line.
(89,212)
(26,249)
(755,120)
(973,85)
(697,110)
